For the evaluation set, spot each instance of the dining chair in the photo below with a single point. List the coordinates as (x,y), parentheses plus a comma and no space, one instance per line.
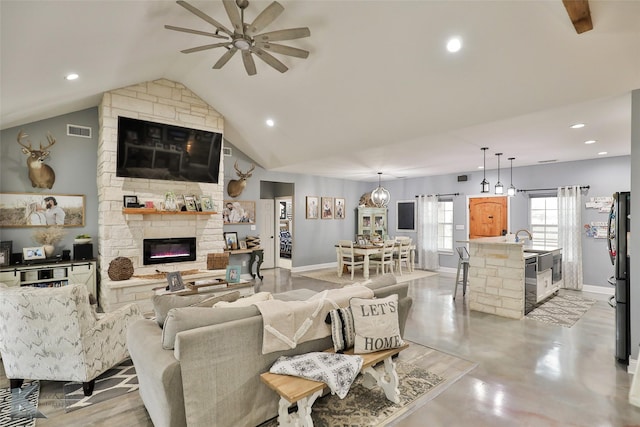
(404,253)
(385,258)
(348,257)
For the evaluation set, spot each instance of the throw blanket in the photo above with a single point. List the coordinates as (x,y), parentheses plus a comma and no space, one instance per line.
(287,323)
(335,370)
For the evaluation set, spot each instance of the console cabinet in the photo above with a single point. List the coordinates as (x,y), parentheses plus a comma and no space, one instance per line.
(372,221)
(54,274)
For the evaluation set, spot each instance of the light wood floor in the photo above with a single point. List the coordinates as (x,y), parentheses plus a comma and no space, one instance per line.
(528,373)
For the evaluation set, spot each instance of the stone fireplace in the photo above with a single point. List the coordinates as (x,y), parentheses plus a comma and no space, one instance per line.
(123,234)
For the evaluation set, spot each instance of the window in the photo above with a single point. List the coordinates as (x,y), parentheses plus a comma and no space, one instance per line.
(544,220)
(445,225)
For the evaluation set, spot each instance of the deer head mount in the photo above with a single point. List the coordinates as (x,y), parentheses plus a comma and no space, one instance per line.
(40,174)
(236,186)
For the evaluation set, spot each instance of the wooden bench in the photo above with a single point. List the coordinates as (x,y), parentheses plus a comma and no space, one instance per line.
(304,392)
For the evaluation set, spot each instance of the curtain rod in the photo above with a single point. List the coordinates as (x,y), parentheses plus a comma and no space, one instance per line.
(438,195)
(582,187)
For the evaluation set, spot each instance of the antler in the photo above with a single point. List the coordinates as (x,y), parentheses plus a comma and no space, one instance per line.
(21,135)
(51,140)
(246,174)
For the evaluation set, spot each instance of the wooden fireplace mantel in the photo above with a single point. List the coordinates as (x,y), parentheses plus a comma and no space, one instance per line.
(154,211)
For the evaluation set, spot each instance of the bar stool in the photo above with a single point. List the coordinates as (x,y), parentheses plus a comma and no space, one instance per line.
(463,263)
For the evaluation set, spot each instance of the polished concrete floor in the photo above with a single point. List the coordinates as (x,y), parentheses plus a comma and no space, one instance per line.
(529,373)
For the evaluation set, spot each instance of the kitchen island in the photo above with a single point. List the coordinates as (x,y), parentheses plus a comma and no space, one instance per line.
(497,276)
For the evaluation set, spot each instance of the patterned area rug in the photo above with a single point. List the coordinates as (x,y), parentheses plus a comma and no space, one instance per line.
(115,382)
(330,275)
(20,410)
(364,407)
(564,310)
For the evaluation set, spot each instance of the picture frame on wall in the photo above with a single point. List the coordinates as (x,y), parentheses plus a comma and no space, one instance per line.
(312,206)
(239,212)
(42,210)
(231,240)
(283,210)
(175,281)
(327,208)
(339,208)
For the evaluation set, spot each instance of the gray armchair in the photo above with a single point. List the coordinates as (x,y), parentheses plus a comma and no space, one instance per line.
(53,334)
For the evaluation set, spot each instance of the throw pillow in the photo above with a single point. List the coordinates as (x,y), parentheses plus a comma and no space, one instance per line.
(163,303)
(342,328)
(246,301)
(376,324)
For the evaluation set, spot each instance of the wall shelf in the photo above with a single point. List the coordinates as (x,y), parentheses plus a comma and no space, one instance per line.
(153,211)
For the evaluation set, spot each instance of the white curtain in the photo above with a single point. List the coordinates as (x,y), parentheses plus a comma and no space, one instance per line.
(427,244)
(570,235)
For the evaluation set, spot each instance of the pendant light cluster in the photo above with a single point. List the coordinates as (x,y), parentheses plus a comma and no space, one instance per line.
(380,196)
(499,188)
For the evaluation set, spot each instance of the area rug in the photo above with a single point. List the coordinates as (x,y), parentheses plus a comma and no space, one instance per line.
(364,407)
(564,310)
(20,410)
(330,275)
(115,382)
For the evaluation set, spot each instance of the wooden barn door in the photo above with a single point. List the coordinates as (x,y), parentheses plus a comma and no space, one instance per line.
(487,216)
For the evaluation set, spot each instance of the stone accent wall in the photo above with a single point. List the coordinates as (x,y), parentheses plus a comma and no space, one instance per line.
(161,101)
(496,278)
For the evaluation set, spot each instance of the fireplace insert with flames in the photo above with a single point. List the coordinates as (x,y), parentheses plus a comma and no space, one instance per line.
(162,251)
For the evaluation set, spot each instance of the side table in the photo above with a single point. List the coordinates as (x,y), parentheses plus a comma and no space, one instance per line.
(259,254)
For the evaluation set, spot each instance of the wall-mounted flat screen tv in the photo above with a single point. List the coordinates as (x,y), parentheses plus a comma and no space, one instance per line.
(160,151)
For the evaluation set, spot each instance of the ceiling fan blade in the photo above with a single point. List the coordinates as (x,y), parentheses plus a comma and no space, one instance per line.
(225,58)
(205,47)
(200,14)
(280,35)
(269,59)
(249,64)
(266,17)
(284,50)
(189,30)
(234,15)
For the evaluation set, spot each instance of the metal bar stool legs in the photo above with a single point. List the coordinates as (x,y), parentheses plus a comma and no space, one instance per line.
(463,264)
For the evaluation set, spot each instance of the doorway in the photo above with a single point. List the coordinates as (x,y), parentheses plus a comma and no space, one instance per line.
(277,225)
(488,216)
(284,215)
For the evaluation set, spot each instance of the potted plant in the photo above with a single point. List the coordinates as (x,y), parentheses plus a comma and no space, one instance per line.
(48,237)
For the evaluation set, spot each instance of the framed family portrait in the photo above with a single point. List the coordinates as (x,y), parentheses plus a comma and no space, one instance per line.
(231,240)
(239,212)
(312,207)
(41,210)
(339,208)
(175,281)
(327,208)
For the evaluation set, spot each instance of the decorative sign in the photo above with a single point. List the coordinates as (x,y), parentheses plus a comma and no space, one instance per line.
(603,204)
(596,229)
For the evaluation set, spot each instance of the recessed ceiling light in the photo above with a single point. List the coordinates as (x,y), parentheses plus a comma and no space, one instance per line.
(591,141)
(577,126)
(454,44)
(72,76)
(270,123)
(602,153)
(480,167)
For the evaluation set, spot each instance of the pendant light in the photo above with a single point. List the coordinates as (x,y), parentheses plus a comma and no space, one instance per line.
(484,184)
(380,196)
(511,191)
(499,186)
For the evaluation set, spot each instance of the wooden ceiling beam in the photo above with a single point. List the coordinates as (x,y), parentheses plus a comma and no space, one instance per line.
(580,14)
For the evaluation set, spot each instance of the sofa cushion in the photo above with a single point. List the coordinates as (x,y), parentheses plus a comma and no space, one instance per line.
(295,295)
(381,281)
(376,324)
(185,318)
(163,303)
(246,301)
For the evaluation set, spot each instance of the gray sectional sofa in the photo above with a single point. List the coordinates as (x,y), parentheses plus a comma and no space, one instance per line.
(211,376)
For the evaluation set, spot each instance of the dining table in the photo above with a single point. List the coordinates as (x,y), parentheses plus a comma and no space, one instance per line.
(372,249)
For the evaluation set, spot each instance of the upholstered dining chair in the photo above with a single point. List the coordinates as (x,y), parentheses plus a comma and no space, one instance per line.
(348,257)
(403,254)
(385,259)
(53,334)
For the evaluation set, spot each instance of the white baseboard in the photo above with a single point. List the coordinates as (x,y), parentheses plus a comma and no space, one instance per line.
(314,267)
(599,289)
(633,363)
(447,270)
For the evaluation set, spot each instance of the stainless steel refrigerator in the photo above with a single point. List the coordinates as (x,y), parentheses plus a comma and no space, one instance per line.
(618,244)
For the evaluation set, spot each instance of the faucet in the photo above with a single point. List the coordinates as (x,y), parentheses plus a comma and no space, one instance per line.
(526,231)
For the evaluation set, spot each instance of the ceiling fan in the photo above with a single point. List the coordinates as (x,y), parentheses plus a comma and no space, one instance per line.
(245,38)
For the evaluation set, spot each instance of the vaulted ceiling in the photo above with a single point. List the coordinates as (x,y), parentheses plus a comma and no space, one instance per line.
(378,92)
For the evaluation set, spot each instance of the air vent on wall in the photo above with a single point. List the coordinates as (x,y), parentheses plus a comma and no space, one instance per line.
(227,151)
(547,161)
(81,131)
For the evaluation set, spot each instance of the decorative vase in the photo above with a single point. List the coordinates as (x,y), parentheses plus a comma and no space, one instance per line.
(49,250)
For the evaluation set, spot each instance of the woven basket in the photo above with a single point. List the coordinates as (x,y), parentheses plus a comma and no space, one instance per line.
(217,261)
(120,268)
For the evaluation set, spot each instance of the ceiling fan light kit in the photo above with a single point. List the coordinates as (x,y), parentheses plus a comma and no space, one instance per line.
(245,37)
